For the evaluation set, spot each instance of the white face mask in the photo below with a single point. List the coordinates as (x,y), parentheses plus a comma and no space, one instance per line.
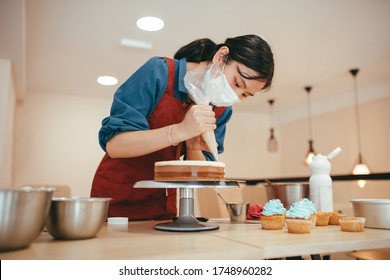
(217,88)
(193,81)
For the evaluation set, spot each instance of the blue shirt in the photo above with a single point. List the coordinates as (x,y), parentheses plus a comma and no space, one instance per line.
(137,97)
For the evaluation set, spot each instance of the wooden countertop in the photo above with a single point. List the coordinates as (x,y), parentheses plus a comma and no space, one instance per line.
(138,240)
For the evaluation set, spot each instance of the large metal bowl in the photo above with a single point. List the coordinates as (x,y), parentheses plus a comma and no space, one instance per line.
(288,193)
(23,212)
(376,212)
(76,218)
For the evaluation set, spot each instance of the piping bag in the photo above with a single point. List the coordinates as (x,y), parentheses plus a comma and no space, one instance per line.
(209,138)
(193,81)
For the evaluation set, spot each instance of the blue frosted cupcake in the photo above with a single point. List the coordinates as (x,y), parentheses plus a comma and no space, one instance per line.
(312,209)
(272,216)
(298,218)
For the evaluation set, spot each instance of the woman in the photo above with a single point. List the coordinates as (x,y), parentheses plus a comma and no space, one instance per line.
(160,112)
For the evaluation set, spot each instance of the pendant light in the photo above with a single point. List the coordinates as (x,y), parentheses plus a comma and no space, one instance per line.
(360,167)
(310,152)
(272,144)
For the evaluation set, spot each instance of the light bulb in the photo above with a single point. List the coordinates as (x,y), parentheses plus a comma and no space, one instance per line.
(310,153)
(309,158)
(150,23)
(361,183)
(360,168)
(107,80)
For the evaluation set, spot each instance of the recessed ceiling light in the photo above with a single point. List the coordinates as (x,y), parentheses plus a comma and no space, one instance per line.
(107,80)
(150,23)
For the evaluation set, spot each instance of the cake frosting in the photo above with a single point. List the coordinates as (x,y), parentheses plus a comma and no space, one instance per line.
(273,207)
(298,211)
(189,170)
(190,162)
(309,205)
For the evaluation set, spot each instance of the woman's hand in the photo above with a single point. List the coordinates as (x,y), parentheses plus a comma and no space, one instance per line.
(198,119)
(197,143)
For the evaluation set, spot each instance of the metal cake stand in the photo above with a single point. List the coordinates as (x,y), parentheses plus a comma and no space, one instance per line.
(186,220)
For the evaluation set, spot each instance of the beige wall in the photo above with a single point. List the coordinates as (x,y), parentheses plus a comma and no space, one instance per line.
(338,128)
(56,140)
(246,155)
(7,106)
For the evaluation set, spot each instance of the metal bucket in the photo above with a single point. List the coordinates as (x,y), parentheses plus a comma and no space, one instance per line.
(237,210)
(288,193)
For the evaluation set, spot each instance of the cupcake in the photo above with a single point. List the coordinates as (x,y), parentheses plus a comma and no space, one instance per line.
(323,218)
(312,210)
(298,218)
(272,216)
(335,217)
(352,224)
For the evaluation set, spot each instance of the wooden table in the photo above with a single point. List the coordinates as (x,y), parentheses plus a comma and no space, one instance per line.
(379,254)
(138,240)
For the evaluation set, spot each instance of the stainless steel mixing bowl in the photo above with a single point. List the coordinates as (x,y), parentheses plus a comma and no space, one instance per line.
(376,212)
(76,217)
(288,193)
(23,212)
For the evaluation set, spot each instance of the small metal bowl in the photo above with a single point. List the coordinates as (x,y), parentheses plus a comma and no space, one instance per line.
(237,210)
(23,212)
(76,218)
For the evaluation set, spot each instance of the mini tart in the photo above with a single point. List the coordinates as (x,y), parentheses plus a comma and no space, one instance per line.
(299,226)
(352,224)
(275,222)
(335,217)
(323,218)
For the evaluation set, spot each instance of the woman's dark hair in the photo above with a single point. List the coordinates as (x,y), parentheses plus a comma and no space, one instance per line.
(250,50)
(197,51)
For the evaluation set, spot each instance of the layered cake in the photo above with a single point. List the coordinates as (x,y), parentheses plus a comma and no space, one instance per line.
(189,170)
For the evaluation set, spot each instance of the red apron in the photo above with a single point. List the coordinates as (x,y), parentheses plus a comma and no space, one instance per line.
(115,177)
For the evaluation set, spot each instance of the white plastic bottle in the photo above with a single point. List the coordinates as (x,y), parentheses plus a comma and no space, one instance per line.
(320,183)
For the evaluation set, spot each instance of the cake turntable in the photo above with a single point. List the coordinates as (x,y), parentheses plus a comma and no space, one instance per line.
(186,221)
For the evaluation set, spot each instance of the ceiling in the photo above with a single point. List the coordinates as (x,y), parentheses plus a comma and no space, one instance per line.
(67,44)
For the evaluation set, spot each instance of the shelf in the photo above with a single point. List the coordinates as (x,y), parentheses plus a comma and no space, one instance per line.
(346,177)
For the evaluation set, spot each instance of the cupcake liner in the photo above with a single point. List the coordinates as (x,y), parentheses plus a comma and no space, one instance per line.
(299,226)
(323,218)
(335,217)
(275,222)
(352,224)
